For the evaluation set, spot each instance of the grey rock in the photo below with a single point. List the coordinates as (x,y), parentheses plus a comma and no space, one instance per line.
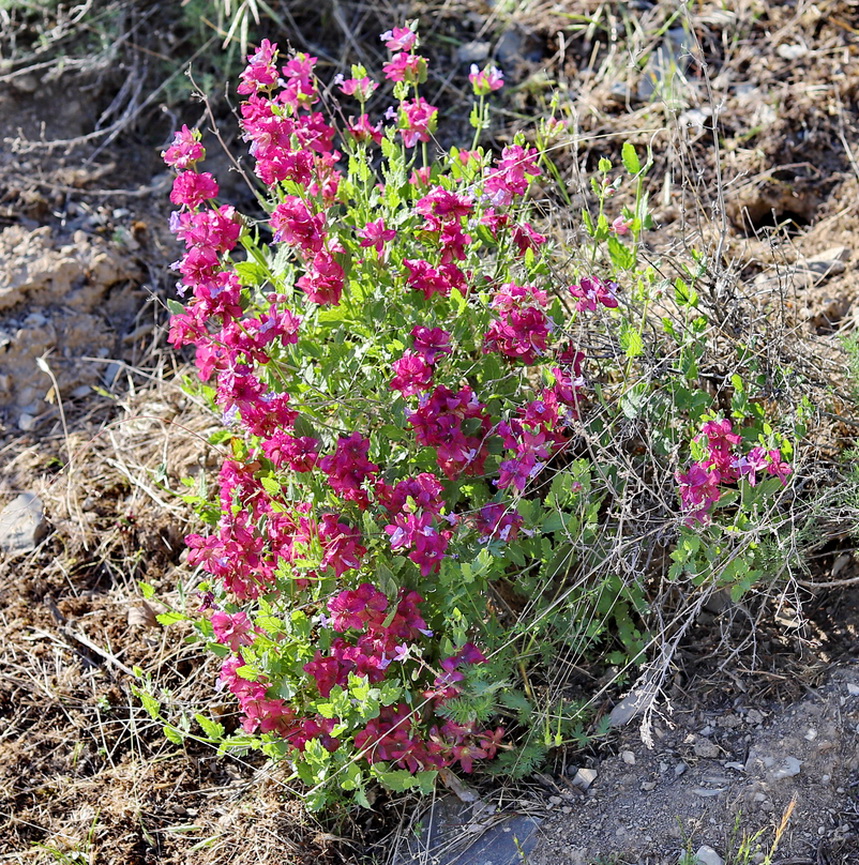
(584,778)
(706,855)
(22,524)
(628,757)
(636,701)
(472,52)
(790,766)
(458,834)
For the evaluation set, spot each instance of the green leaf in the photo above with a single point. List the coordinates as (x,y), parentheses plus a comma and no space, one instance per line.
(213,729)
(632,343)
(174,735)
(171,618)
(630,158)
(175,307)
(271,486)
(621,257)
(152,706)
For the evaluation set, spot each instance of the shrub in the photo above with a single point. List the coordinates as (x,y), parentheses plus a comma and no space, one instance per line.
(446,465)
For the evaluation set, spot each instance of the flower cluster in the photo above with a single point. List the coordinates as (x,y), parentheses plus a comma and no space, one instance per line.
(701,485)
(395,369)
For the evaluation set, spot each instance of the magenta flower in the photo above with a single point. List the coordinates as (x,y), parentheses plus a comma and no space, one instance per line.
(417,121)
(592,291)
(185,151)
(413,374)
(233,629)
(411,68)
(399,39)
(376,235)
(191,189)
(362,87)
(486,80)
(363,130)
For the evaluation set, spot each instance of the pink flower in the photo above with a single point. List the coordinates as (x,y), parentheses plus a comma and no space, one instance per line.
(354,609)
(234,630)
(593,290)
(525,237)
(185,150)
(430,342)
(413,374)
(362,87)
(427,279)
(399,39)
(620,226)
(293,223)
(363,130)
(375,234)
(411,68)
(191,189)
(777,466)
(512,174)
(324,280)
(300,86)
(484,81)
(261,71)
(417,121)
(341,545)
(349,467)
(699,491)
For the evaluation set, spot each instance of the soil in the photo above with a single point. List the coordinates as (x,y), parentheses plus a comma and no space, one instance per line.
(88,380)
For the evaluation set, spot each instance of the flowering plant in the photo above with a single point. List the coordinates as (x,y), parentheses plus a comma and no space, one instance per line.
(409,413)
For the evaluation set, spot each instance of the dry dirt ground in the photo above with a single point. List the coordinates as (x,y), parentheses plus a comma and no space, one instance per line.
(94,421)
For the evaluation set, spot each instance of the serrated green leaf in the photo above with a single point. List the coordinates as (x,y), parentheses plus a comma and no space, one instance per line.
(213,729)
(174,735)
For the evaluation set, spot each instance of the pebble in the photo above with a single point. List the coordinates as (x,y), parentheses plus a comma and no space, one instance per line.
(706,855)
(22,524)
(647,786)
(706,750)
(628,757)
(680,768)
(790,767)
(26,421)
(472,52)
(584,778)
(852,689)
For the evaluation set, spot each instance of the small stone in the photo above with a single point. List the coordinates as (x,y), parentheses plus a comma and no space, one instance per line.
(706,794)
(584,778)
(472,52)
(635,702)
(706,750)
(680,768)
(22,524)
(791,52)
(628,757)
(753,716)
(706,855)
(790,767)
(647,786)
(852,689)
(26,421)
